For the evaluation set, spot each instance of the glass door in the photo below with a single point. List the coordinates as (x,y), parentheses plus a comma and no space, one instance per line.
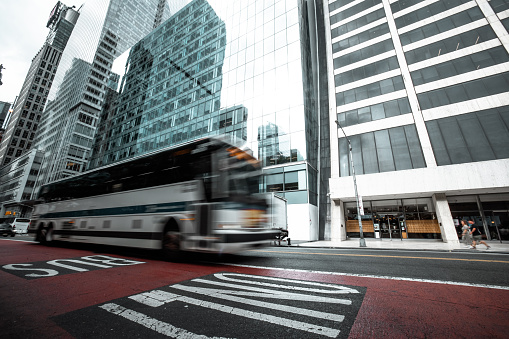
(390,225)
(389,218)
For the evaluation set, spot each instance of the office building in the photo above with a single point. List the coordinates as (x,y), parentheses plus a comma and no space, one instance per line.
(4,112)
(421,91)
(17,180)
(105,30)
(238,68)
(28,109)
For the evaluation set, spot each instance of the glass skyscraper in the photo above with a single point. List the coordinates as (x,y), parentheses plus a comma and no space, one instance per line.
(240,68)
(105,30)
(421,90)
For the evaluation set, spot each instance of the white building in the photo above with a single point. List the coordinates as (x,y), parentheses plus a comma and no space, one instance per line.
(421,90)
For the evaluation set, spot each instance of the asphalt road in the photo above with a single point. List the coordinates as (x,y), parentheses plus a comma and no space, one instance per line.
(473,268)
(84,291)
(479,268)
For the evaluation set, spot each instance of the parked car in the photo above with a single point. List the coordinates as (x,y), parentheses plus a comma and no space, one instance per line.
(20,225)
(7,229)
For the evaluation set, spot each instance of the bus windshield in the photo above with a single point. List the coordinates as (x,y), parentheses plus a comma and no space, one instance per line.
(242,172)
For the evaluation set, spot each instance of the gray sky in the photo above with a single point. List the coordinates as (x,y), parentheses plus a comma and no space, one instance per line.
(22,33)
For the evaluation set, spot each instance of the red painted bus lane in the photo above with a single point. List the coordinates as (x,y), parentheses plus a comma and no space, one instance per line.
(390,308)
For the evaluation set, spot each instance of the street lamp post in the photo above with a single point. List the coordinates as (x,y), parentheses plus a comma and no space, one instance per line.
(362,241)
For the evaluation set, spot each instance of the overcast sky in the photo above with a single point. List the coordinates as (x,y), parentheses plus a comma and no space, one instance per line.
(22,33)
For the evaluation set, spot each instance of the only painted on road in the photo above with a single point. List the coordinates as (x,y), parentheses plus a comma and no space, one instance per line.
(225,305)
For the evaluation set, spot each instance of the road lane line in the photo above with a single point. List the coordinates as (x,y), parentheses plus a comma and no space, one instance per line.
(383,256)
(443,282)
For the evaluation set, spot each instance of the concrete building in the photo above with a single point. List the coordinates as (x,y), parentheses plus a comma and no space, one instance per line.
(421,91)
(28,109)
(105,30)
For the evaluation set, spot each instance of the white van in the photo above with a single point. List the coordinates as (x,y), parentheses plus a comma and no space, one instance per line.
(20,225)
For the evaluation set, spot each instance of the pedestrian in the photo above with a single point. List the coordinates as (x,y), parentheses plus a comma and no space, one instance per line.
(477,233)
(465,236)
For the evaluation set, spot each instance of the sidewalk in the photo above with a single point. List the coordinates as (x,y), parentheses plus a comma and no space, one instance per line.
(405,244)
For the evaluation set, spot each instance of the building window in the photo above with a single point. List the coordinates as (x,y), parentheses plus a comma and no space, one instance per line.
(369,91)
(479,88)
(386,150)
(375,112)
(478,136)
(461,65)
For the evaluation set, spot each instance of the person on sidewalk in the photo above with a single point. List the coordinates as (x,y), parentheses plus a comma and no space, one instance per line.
(465,236)
(477,235)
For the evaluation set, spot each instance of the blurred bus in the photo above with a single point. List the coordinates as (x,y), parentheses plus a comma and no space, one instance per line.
(199,196)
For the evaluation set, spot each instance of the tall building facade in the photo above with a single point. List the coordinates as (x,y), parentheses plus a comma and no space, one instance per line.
(4,112)
(17,180)
(28,109)
(105,30)
(421,93)
(237,68)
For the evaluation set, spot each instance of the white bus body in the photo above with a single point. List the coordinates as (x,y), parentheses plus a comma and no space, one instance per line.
(179,216)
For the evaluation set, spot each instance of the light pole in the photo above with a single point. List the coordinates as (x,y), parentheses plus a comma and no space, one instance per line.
(362,241)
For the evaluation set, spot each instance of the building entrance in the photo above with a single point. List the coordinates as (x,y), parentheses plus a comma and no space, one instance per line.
(390,226)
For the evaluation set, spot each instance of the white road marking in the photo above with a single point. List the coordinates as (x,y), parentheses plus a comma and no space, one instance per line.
(443,282)
(307,327)
(151,323)
(226,295)
(266,293)
(333,289)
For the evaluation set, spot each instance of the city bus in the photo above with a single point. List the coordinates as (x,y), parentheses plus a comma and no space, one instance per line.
(200,196)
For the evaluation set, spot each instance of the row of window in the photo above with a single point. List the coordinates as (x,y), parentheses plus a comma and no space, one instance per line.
(478,136)
(457,66)
(357,23)
(366,71)
(364,53)
(364,36)
(386,150)
(352,10)
(374,112)
(474,89)
(425,12)
(369,91)
(443,25)
(452,44)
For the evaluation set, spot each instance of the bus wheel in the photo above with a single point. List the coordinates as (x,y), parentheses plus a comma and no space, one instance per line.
(171,245)
(45,235)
